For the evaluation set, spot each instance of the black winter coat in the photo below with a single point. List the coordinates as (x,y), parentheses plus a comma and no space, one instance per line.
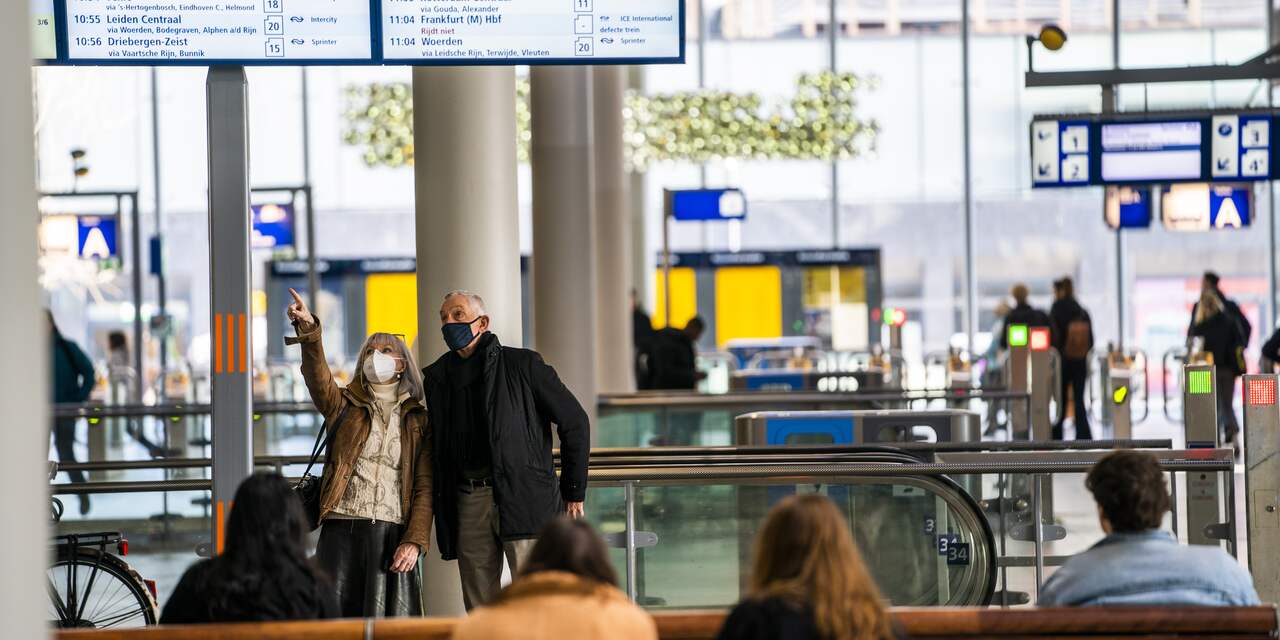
(674,363)
(1063,313)
(1028,315)
(524,397)
(1222,339)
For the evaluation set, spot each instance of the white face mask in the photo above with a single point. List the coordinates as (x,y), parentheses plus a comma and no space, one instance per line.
(380,368)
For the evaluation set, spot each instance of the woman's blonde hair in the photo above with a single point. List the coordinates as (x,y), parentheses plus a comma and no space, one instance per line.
(410,378)
(1209,307)
(806,555)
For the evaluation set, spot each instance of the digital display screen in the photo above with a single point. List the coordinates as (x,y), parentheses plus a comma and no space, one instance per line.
(1204,206)
(44,30)
(204,31)
(531,31)
(1151,151)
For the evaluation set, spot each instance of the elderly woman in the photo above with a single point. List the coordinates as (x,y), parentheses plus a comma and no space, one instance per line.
(375,499)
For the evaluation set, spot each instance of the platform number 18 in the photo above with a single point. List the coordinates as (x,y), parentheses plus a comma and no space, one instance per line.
(274,6)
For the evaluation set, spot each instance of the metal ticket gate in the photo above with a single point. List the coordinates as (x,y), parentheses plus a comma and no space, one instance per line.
(1124,383)
(1033,368)
(781,428)
(1205,522)
(1262,482)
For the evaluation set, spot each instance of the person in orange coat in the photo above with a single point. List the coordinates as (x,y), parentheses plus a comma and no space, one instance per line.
(566,590)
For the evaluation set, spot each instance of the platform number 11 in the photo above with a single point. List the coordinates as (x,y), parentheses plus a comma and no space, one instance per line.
(582,5)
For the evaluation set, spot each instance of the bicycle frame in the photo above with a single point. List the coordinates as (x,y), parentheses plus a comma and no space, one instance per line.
(71,611)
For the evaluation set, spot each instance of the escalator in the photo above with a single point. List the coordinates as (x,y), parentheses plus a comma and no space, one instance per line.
(924,539)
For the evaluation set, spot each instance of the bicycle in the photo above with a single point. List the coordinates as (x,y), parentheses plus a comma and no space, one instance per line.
(91,587)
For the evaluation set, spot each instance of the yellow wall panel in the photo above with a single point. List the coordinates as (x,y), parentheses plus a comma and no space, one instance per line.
(391,304)
(684,298)
(748,303)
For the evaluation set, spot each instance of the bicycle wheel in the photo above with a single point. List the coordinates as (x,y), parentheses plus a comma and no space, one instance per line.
(108,593)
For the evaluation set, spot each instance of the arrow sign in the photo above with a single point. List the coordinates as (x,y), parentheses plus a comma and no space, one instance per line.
(1223,163)
(296,18)
(1044,169)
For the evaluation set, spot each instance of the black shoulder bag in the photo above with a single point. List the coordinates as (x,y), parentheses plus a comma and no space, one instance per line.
(308,487)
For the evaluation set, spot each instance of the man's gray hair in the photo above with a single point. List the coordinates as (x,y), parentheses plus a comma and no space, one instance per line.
(473,298)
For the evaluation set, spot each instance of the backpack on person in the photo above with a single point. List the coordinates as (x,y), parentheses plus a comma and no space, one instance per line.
(1076,346)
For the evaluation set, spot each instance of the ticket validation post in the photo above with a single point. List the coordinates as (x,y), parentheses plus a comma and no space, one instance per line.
(1118,383)
(1262,482)
(1204,491)
(1019,377)
(1042,382)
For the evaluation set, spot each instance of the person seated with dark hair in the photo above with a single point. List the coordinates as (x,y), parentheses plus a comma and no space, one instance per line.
(808,581)
(567,589)
(1138,563)
(263,573)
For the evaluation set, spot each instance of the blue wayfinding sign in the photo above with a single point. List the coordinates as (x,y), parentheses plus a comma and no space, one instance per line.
(1229,207)
(96,237)
(272,226)
(706,204)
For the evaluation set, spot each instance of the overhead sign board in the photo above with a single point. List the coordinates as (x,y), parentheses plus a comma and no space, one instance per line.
(1203,207)
(272,226)
(531,31)
(1154,148)
(706,204)
(359,32)
(96,237)
(1127,207)
(204,31)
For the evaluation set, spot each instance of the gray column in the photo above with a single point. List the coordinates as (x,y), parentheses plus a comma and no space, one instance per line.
(24,340)
(467,226)
(613,234)
(643,262)
(228,120)
(564,271)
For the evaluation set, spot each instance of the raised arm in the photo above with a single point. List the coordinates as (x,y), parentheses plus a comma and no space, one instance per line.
(325,393)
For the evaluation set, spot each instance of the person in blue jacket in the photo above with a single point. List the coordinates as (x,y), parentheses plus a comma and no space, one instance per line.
(1139,563)
(73,380)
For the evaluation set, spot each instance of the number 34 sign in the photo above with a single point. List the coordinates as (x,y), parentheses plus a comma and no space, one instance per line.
(956,552)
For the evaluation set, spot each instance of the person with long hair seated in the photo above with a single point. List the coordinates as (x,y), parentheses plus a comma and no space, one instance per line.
(808,581)
(567,589)
(263,573)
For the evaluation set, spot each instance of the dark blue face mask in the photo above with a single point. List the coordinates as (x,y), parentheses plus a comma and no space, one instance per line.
(457,335)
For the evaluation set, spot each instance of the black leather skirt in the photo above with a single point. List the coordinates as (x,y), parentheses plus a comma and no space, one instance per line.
(357,555)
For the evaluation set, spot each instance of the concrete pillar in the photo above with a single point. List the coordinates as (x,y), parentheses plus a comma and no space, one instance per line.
(643,261)
(613,234)
(24,340)
(468,233)
(564,270)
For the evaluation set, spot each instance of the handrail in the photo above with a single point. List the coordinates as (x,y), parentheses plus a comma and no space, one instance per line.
(668,399)
(1221,461)
(689,455)
(914,622)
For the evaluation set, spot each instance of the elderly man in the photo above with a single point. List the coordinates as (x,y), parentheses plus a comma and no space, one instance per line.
(491,409)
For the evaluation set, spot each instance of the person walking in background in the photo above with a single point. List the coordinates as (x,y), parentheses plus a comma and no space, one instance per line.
(73,381)
(375,496)
(567,589)
(1023,313)
(1211,284)
(491,408)
(1072,336)
(1138,563)
(1222,340)
(642,336)
(263,573)
(117,350)
(808,581)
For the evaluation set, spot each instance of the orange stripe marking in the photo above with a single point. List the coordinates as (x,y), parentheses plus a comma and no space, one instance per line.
(221,528)
(217,343)
(244,346)
(231,343)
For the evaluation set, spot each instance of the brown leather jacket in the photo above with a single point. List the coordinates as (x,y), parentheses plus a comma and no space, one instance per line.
(415,449)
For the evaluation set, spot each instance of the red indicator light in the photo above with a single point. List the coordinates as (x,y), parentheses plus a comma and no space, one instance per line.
(1039,338)
(899,317)
(124,547)
(1262,392)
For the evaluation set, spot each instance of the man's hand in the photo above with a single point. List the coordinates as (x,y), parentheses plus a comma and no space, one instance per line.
(406,558)
(299,313)
(575,510)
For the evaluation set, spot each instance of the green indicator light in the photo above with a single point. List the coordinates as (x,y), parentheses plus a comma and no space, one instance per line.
(1018,335)
(1198,383)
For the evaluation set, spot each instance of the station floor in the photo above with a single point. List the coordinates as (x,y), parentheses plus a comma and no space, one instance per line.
(163,557)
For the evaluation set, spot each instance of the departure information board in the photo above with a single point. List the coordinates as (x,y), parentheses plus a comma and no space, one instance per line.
(1154,148)
(531,31)
(44,30)
(205,31)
